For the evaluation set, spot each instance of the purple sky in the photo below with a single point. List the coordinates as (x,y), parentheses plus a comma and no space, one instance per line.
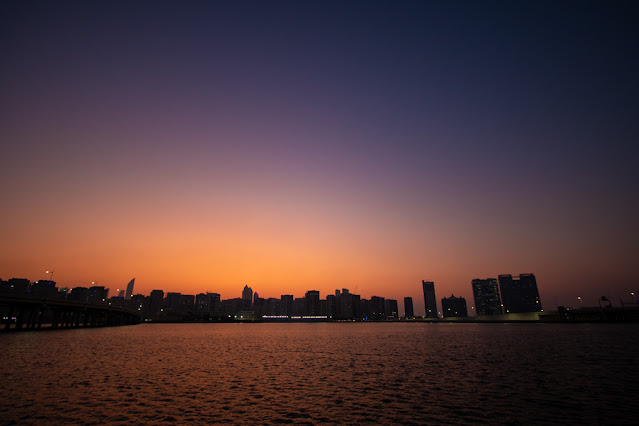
(319,145)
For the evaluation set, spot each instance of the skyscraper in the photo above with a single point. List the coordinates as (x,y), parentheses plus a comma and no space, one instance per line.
(430,303)
(312,301)
(286,304)
(247,298)
(486,293)
(378,307)
(519,295)
(408,307)
(129,289)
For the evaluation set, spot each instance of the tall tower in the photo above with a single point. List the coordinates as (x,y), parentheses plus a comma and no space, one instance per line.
(247,298)
(311,302)
(430,303)
(519,295)
(487,300)
(129,289)
(408,307)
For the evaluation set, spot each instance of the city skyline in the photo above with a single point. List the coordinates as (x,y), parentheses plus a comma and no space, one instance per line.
(319,145)
(520,297)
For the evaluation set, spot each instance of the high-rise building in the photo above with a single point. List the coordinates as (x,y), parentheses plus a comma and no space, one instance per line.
(454,307)
(311,301)
(390,306)
(286,304)
(486,294)
(187,302)
(247,293)
(331,306)
(378,307)
(247,298)
(519,295)
(272,306)
(214,302)
(129,289)
(174,301)
(155,304)
(408,307)
(430,303)
(201,303)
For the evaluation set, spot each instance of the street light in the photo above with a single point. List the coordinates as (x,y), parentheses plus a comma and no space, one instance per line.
(51,275)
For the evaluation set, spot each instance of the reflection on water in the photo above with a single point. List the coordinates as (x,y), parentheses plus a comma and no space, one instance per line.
(322,373)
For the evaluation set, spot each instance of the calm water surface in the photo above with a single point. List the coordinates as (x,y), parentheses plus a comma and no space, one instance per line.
(388,373)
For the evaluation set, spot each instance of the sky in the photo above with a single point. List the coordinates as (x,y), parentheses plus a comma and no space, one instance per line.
(318,145)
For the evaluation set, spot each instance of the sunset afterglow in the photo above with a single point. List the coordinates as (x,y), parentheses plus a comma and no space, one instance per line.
(206,147)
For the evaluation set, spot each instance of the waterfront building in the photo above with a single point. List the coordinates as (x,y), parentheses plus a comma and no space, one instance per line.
(258,304)
(201,303)
(272,306)
(98,294)
(391,309)
(79,294)
(299,306)
(331,306)
(44,289)
(408,308)
(214,302)
(16,286)
(140,303)
(312,302)
(356,303)
(129,289)
(519,295)
(430,303)
(232,306)
(378,308)
(366,312)
(286,305)
(247,297)
(187,303)
(155,303)
(454,307)
(486,294)
(173,301)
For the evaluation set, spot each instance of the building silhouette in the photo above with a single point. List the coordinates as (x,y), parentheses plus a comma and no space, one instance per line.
(409,312)
(454,307)
(155,303)
(16,286)
(129,289)
(98,294)
(391,309)
(486,294)
(378,308)
(44,289)
(79,294)
(430,303)
(312,302)
(519,295)
(286,304)
(247,298)
(173,301)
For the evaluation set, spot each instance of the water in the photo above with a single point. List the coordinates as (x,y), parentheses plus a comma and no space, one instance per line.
(389,373)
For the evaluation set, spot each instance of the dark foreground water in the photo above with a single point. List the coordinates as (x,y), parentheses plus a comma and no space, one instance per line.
(386,373)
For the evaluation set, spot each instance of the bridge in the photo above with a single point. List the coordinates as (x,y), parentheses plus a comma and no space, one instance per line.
(30,313)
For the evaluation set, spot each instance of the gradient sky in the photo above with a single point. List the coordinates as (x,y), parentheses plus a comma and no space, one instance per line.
(297,145)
